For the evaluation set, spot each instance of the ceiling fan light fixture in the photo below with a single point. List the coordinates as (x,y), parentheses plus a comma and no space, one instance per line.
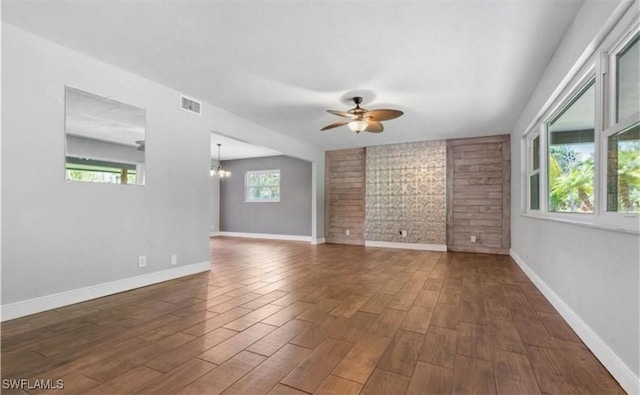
(363,120)
(358,125)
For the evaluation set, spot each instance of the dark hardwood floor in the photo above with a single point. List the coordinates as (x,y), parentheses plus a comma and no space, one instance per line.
(291,318)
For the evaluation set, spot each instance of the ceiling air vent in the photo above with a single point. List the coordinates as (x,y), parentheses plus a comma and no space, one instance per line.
(190,105)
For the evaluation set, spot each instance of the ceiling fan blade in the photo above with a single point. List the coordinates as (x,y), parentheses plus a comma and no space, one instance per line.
(384,115)
(342,114)
(335,125)
(373,126)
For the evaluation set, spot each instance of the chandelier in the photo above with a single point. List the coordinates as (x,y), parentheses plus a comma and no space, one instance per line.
(219,170)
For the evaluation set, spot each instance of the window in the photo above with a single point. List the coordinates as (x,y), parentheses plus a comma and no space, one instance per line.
(571,154)
(534,172)
(623,136)
(100,171)
(262,186)
(582,153)
(628,80)
(623,171)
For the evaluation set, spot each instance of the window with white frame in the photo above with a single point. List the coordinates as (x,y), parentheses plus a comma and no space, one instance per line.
(571,154)
(262,186)
(582,154)
(533,166)
(623,135)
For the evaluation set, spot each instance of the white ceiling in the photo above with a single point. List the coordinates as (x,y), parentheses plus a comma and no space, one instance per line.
(456,68)
(233,148)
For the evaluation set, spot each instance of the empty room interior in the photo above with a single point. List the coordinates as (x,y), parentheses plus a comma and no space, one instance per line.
(309,197)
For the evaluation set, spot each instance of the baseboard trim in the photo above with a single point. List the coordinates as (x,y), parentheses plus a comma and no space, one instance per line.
(266,236)
(214,234)
(406,246)
(43,303)
(621,372)
(320,240)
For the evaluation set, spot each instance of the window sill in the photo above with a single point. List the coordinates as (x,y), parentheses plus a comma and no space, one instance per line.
(634,229)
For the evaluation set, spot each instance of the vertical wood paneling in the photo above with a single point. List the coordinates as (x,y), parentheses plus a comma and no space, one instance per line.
(345,196)
(478,194)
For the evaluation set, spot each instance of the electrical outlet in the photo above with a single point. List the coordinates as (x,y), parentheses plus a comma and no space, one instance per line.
(403,233)
(473,239)
(174,260)
(142,261)
(347,232)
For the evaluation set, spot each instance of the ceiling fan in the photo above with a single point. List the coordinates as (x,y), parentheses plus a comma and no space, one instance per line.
(363,120)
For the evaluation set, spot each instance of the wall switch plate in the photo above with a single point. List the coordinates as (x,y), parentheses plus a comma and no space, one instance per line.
(174,260)
(142,261)
(473,239)
(347,232)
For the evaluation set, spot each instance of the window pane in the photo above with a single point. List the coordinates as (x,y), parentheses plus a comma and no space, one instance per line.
(623,171)
(536,153)
(628,84)
(263,185)
(534,188)
(571,155)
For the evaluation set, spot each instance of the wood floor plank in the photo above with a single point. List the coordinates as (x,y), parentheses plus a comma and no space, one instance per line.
(282,389)
(222,377)
(387,323)
(267,375)
(104,372)
(446,315)
(361,360)
(349,306)
(235,344)
(279,337)
(402,353)
(439,347)
(351,329)
(513,374)
(247,320)
(178,378)
(216,322)
(195,347)
(557,327)
(377,303)
(311,372)
(382,382)
(127,383)
(427,298)
(318,333)
(418,319)
(335,385)
(473,375)
(430,379)
(475,341)
(287,313)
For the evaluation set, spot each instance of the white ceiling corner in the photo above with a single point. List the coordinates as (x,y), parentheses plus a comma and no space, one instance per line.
(456,68)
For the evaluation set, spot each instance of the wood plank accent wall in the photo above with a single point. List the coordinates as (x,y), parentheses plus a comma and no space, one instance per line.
(479,194)
(345,196)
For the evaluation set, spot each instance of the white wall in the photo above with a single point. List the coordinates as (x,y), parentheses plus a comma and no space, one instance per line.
(60,236)
(593,272)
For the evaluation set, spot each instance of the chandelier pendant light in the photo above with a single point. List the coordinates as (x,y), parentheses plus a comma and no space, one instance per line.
(220,171)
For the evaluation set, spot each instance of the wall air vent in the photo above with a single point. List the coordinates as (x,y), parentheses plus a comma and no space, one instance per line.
(189,104)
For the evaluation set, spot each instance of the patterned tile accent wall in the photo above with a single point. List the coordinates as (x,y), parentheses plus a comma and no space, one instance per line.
(406,190)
